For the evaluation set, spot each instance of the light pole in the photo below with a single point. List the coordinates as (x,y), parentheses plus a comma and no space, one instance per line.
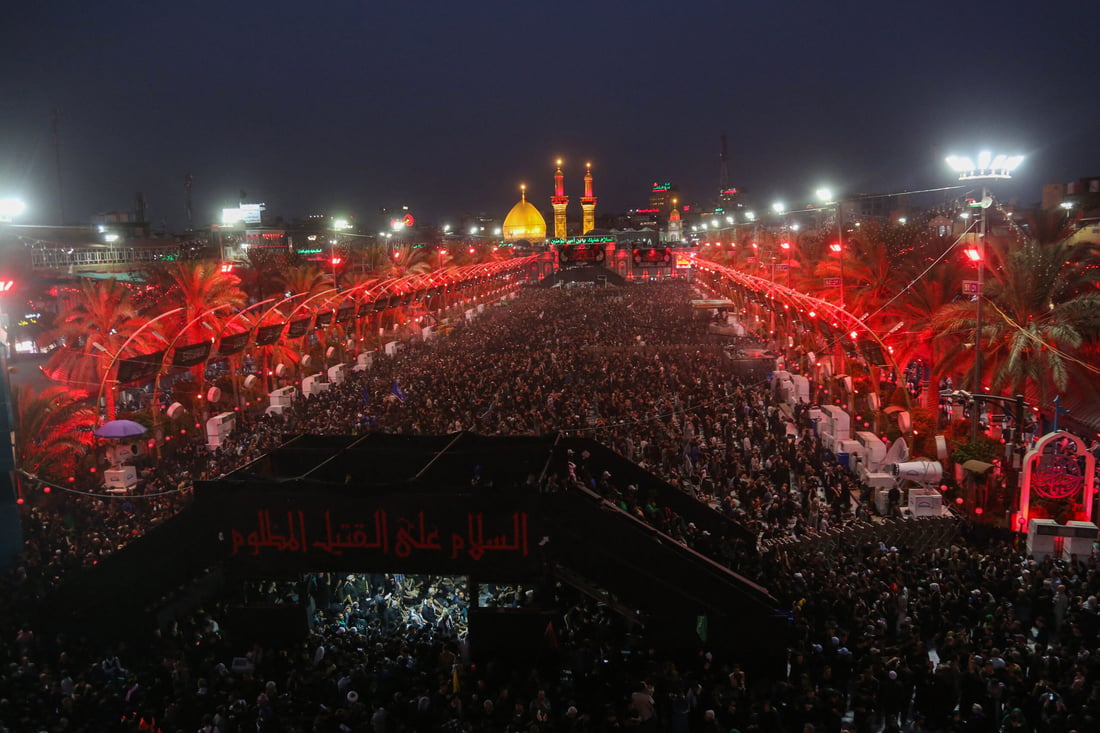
(989,167)
(11,208)
(826,197)
(11,536)
(338,225)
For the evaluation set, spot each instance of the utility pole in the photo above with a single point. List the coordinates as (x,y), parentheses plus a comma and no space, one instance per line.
(57,157)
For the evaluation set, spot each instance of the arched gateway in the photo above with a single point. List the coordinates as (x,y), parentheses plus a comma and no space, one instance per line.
(487,510)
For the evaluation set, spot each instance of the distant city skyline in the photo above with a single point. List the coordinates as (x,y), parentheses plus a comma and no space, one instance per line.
(351,106)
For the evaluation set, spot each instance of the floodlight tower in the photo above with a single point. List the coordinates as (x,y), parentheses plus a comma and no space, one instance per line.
(989,168)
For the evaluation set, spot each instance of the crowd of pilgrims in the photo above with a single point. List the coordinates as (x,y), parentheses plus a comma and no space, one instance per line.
(974,636)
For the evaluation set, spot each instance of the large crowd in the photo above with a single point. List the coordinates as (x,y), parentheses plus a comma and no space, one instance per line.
(971,636)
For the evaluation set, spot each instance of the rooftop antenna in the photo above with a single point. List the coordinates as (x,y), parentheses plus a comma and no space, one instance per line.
(187,181)
(724,170)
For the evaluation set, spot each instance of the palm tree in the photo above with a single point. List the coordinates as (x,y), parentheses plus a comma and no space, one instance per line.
(1042,309)
(932,287)
(259,278)
(89,337)
(199,286)
(53,430)
(375,260)
(410,259)
(307,278)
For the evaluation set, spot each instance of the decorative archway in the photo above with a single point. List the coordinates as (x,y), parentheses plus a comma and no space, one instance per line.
(1057,468)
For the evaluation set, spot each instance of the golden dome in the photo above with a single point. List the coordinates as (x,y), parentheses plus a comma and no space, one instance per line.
(524,222)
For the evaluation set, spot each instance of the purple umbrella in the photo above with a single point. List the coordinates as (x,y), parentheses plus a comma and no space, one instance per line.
(119,429)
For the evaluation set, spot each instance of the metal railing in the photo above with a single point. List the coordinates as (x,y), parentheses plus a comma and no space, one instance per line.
(63,258)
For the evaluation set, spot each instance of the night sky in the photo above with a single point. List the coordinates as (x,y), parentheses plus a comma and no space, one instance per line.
(341,107)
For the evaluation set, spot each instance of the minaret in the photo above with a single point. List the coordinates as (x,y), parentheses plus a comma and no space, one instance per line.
(559,201)
(675,228)
(588,202)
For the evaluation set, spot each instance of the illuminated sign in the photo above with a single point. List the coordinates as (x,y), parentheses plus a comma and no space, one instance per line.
(647,211)
(729,191)
(244,214)
(661,187)
(316,533)
(594,239)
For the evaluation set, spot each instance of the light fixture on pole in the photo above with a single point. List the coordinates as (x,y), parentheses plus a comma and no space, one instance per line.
(11,208)
(988,167)
(825,196)
(338,225)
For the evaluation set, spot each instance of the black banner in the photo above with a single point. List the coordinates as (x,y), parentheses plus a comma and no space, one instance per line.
(298,328)
(589,253)
(872,352)
(140,368)
(658,256)
(395,300)
(344,314)
(266,335)
(233,343)
(191,355)
(365,308)
(323,319)
(380,304)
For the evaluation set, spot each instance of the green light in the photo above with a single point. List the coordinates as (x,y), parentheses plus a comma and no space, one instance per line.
(600,239)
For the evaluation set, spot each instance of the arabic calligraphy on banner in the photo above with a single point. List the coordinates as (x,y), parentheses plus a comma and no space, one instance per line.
(1057,477)
(1057,486)
(299,531)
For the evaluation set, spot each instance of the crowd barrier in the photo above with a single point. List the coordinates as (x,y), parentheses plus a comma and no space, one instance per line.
(918,535)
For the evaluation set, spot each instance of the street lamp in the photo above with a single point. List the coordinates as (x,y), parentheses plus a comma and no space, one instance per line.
(988,167)
(787,247)
(11,208)
(11,538)
(825,195)
(338,225)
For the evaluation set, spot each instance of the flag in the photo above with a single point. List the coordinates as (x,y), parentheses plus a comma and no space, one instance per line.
(550,636)
(397,392)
